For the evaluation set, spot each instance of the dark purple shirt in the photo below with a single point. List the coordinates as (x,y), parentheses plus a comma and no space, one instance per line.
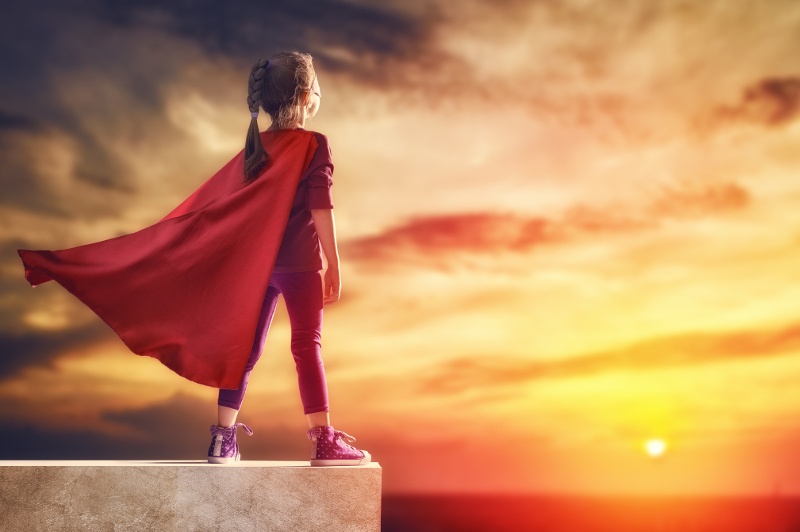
(300,250)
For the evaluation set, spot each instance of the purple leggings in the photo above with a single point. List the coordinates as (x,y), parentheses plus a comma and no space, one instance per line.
(302,292)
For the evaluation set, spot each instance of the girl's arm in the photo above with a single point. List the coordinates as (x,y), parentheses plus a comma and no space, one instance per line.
(325,226)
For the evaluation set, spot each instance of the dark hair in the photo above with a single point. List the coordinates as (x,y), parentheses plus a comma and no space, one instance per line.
(276,85)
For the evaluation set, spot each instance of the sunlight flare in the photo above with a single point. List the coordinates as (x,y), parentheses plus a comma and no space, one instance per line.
(655,448)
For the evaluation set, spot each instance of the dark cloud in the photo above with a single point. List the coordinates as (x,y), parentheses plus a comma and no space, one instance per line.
(22,184)
(34,442)
(426,240)
(23,346)
(27,152)
(186,421)
(176,429)
(771,102)
(80,76)
(59,120)
(17,122)
(691,349)
(346,36)
(184,437)
(179,425)
(350,37)
(20,350)
(40,41)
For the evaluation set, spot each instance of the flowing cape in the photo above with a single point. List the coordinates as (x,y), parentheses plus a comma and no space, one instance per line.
(188,290)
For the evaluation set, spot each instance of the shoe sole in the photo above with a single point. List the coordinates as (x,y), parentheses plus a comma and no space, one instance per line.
(222,460)
(343,462)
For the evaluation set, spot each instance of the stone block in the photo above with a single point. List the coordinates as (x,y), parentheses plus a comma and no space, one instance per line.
(187,496)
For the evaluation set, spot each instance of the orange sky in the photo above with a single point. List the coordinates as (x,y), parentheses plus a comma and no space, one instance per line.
(565,229)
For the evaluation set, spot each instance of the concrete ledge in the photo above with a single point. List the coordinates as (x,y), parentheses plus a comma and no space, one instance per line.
(187,495)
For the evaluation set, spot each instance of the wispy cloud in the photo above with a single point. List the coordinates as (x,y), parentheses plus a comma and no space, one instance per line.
(690,349)
(448,234)
(769,102)
(426,239)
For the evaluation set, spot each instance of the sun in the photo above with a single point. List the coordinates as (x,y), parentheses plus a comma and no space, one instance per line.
(655,447)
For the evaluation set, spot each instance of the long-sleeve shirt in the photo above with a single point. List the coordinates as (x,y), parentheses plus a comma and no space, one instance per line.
(300,249)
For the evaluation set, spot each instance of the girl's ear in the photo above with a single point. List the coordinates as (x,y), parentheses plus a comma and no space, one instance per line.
(312,107)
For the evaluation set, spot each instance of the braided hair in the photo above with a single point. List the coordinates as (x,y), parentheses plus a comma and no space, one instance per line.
(278,86)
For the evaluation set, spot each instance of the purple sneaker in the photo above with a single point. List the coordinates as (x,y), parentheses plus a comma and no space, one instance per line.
(329,448)
(223,448)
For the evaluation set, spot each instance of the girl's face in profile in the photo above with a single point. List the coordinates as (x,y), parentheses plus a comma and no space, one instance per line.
(314,99)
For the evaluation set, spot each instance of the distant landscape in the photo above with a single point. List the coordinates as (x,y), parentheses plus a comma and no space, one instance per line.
(497,513)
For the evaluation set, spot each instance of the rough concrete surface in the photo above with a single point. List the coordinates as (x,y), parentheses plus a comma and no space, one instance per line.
(187,496)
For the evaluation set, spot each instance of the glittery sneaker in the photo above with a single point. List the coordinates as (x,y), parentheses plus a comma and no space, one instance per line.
(332,448)
(223,448)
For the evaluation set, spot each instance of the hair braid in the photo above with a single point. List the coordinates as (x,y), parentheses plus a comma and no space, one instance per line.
(255,157)
(278,86)
(255,83)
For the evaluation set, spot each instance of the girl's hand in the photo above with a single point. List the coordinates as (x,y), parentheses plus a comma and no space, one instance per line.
(325,226)
(331,286)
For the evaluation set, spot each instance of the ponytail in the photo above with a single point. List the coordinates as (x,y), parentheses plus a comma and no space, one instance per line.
(255,157)
(276,85)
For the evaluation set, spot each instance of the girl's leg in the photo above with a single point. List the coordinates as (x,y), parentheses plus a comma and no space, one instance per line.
(226,416)
(302,292)
(319,419)
(230,401)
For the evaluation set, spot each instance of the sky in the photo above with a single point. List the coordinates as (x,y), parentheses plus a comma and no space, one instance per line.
(566,228)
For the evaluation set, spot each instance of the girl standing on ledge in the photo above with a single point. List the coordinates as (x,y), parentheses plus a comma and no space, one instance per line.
(286,87)
(198,289)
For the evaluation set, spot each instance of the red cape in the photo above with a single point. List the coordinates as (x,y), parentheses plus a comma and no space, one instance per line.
(188,290)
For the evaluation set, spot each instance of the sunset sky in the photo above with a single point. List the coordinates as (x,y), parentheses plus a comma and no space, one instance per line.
(566,228)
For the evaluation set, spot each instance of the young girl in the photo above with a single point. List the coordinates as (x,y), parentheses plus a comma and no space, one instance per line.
(287,88)
(198,289)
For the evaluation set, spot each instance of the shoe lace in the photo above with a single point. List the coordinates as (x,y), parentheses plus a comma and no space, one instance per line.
(228,431)
(344,436)
(345,439)
(316,432)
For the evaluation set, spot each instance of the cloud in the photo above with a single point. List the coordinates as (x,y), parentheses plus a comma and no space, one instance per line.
(770,102)
(20,350)
(358,39)
(38,326)
(68,106)
(185,421)
(22,183)
(174,432)
(696,199)
(427,239)
(32,442)
(16,122)
(636,75)
(447,234)
(175,429)
(85,106)
(690,349)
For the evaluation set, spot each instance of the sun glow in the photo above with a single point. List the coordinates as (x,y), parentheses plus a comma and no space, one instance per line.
(655,447)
